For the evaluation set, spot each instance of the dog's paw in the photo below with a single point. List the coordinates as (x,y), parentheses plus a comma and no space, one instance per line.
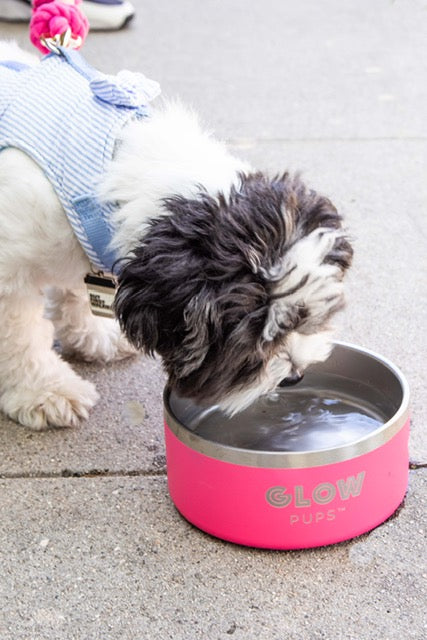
(105,344)
(50,407)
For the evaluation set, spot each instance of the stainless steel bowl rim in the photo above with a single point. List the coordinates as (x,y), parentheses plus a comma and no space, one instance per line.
(298,459)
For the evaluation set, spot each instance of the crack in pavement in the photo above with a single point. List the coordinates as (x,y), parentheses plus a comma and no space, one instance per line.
(91,473)
(131,473)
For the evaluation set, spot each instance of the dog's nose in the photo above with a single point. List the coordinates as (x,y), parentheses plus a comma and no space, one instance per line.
(293,378)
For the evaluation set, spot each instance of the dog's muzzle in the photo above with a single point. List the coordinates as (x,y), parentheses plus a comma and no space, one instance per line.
(292,379)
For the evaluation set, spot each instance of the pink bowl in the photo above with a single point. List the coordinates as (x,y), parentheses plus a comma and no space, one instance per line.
(318,487)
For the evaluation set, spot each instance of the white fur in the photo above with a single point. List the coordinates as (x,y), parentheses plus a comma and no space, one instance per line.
(9,50)
(169,154)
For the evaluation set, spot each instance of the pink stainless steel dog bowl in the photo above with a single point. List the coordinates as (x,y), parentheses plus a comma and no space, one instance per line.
(306,466)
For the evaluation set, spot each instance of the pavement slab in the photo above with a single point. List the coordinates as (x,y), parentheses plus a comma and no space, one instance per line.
(123,435)
(111,558)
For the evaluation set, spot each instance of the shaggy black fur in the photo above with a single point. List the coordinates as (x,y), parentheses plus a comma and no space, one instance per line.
(199,286)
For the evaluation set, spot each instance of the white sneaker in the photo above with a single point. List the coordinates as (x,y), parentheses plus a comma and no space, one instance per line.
(108,15)
(103,15)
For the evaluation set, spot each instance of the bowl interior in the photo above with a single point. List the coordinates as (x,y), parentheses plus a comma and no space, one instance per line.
(338,402)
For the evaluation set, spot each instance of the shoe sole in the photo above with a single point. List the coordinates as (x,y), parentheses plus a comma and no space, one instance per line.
(101,29)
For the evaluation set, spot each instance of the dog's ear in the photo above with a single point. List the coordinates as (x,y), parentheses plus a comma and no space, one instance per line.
(163,303)
(166,316)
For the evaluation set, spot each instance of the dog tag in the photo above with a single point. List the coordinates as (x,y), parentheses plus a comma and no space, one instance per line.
(101,292)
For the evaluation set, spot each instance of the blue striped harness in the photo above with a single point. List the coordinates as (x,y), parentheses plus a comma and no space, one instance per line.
(67,117)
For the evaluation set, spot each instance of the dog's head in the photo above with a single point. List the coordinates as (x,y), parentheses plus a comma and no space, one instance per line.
(235,292)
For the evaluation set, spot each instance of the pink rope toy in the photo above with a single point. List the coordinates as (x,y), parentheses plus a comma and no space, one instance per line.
(57,23)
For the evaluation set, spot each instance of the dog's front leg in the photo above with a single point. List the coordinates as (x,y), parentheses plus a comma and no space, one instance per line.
(37,388)
(81,333)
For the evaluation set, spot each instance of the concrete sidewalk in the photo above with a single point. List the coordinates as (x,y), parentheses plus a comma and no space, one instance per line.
(91,546)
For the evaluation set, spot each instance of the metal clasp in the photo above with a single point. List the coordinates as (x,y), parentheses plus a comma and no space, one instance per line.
(65,39)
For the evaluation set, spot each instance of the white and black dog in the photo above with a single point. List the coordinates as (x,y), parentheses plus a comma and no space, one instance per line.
(229,275)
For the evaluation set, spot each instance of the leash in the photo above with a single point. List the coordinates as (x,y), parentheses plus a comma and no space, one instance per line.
(57,23)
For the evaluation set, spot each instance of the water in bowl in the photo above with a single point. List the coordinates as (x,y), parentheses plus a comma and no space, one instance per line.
(314,415)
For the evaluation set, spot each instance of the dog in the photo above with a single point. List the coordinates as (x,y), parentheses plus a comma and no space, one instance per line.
(231,276)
